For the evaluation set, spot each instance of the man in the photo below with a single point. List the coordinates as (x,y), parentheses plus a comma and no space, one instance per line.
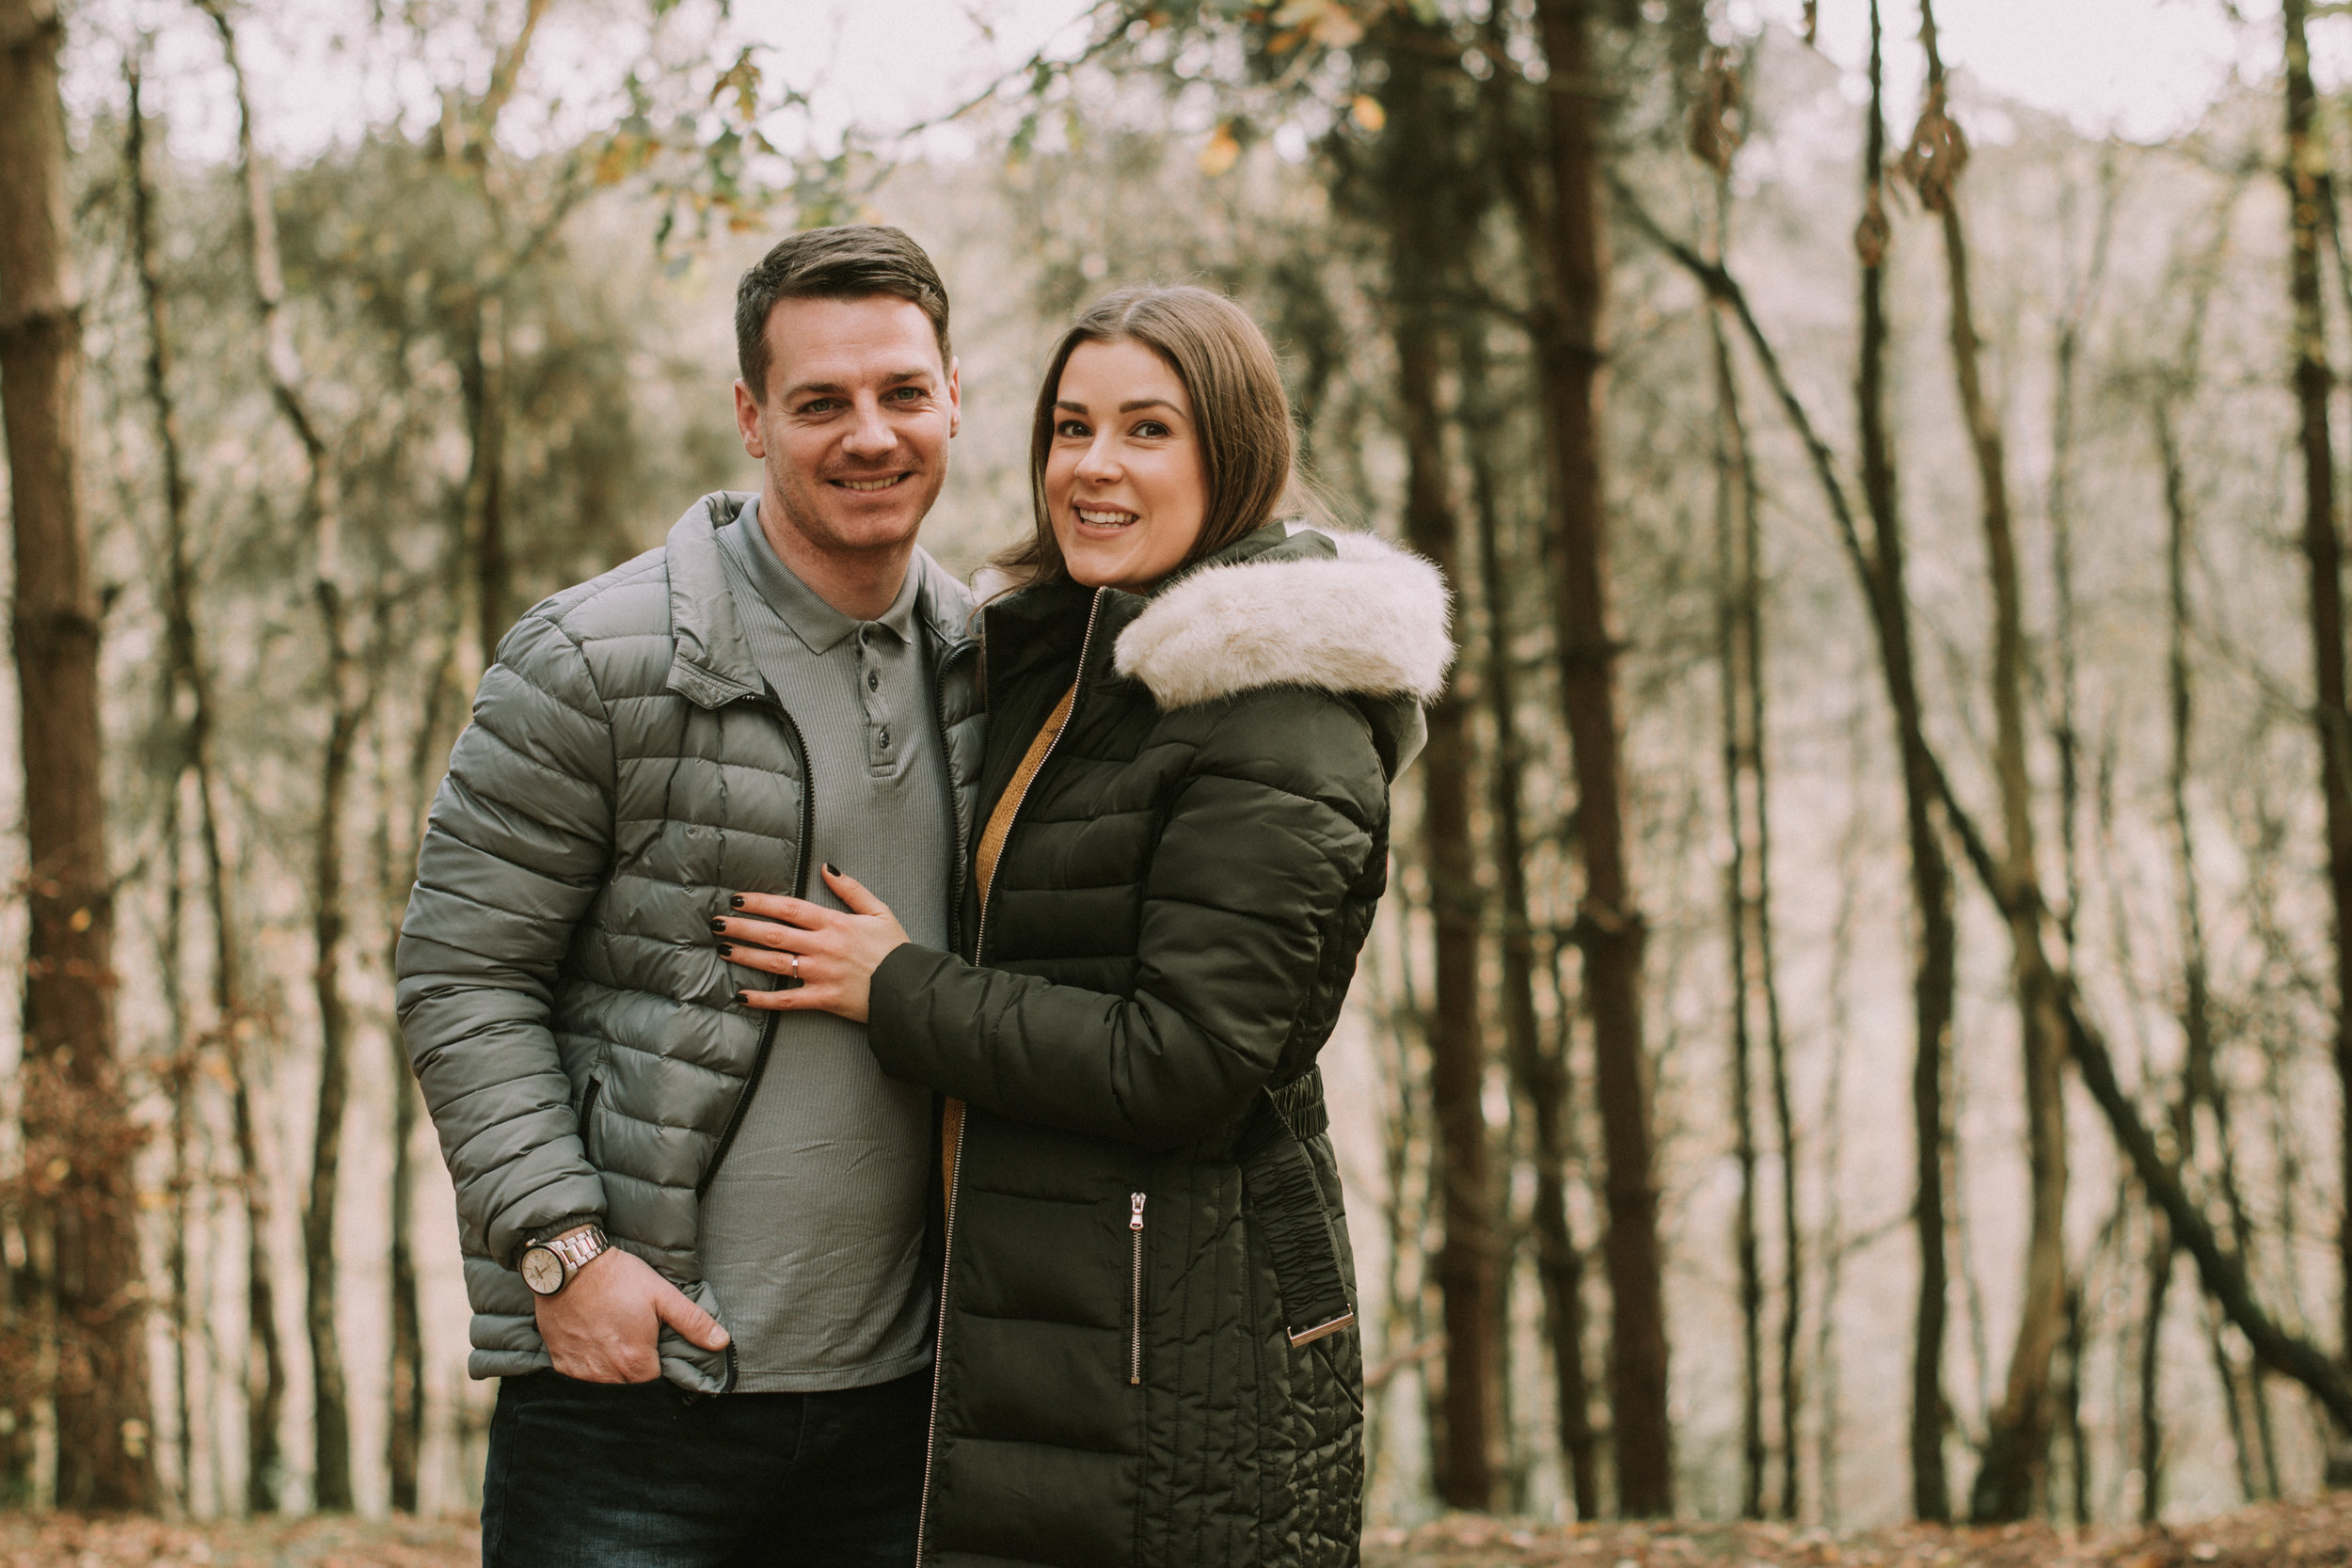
(665,1196)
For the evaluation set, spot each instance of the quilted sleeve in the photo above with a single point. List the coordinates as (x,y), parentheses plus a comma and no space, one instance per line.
(1271,825)
(518,844)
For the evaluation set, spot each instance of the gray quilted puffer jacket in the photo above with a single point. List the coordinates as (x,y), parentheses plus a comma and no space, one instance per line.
(570,1022)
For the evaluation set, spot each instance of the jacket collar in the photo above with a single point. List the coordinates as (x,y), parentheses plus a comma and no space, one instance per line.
(713,665)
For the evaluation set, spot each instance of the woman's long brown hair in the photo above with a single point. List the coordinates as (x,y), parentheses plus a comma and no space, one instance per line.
(1238,406)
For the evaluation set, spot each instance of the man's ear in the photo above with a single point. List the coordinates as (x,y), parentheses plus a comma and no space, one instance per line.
(955,397)
(747,422)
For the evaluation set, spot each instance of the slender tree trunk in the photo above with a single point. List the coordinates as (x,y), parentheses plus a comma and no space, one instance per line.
(1611,932)
(2323,553)
(331,1424)
(1731,496)
(1417,202)
(179,1068)
(2017,1441)
(482,378)
(1539,1071)
(395,860)
(79,1137)
(1935,977)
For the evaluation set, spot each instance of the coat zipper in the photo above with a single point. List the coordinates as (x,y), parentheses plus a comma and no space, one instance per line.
(955,1178)
(1135,1230)
(800,890)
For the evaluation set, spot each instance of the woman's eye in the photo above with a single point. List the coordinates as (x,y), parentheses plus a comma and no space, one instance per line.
(1151,429)
(1072,430)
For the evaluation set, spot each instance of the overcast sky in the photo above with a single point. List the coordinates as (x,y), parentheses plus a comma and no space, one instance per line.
(2136,68)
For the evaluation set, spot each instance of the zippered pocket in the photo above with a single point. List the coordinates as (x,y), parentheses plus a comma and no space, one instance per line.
(587,1116)
(1134,1233)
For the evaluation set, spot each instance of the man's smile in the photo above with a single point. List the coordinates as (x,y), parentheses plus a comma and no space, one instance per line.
(865,485)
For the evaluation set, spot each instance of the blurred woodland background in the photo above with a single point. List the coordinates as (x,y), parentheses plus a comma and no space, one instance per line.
(1863,1024)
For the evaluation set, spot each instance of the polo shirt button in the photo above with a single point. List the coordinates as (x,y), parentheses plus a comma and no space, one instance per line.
(873,680)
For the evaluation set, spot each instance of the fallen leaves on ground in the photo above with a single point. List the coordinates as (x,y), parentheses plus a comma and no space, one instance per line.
(2314,1534)
(68,1541)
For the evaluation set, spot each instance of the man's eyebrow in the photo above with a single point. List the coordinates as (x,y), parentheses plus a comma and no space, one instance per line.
(834,388)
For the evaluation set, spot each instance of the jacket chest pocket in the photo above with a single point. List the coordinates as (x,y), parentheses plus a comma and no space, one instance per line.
(587,1116)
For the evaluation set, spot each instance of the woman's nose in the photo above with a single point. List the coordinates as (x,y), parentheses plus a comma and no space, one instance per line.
(1098,465)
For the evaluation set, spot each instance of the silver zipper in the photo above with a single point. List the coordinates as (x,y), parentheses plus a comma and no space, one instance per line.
(955,1177)
(1135,1230)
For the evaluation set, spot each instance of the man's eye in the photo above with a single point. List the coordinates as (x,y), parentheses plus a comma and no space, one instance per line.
(909,394)
(817,405)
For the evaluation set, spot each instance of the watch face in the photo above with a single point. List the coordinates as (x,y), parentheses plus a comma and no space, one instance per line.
(543,1271)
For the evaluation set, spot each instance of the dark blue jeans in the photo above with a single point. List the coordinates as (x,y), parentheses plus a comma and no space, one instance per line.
(597,1475)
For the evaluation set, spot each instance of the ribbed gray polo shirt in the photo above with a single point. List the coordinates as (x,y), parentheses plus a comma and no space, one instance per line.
(811,1234)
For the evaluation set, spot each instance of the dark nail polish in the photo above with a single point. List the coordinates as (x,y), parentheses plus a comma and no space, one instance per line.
(743,999)
(718,928)
(832,870)
(735,902)
(727,950)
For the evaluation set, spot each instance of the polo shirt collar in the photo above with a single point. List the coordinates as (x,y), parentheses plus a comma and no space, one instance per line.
(818,624)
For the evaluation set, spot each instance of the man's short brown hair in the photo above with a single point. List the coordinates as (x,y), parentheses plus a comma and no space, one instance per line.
(854,261)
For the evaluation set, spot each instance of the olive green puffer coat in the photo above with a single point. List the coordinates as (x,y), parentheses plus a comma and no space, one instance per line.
(1147,1355)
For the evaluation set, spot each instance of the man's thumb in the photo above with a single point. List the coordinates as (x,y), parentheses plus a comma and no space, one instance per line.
(677,1309)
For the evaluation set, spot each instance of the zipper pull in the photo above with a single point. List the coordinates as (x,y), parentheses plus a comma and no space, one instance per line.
(1135,1211)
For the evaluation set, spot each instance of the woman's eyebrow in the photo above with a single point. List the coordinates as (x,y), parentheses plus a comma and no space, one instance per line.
(1134,403)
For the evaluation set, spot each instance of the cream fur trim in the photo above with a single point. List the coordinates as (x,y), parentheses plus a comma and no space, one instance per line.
(1373,621)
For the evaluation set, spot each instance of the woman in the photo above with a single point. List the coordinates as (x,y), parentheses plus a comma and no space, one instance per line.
(1147,1352)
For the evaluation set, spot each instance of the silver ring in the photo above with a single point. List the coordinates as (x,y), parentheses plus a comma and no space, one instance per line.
(796,966)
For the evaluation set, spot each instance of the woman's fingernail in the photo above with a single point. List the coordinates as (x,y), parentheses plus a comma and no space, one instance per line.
(736,901)
(832,870)
(718,928)
(726,949)
(743,999)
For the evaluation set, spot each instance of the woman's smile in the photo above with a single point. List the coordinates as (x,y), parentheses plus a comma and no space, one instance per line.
(1124,481)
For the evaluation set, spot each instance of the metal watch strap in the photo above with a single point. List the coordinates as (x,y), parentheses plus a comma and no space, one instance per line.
(579,1249)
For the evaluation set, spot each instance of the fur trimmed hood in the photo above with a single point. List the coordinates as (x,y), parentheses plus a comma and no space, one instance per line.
(1372,620)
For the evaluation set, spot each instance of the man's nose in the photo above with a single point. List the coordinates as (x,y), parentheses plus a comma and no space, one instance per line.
(870,434)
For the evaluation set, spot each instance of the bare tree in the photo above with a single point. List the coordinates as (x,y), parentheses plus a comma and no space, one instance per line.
(2306,179)
(1570,247)
(2017,1438)
(79,1138)
(1418,196)
(349,694)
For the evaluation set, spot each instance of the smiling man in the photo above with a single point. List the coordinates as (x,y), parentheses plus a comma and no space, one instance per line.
(696,1234)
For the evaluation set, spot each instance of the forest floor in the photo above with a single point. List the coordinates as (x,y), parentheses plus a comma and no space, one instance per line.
(2315,1534)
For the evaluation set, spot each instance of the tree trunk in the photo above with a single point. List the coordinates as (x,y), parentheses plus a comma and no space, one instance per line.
(282,365)
(1935,977)
(2323,553)
(1573,252)
(2017,1440)
(79,1138)
(1731,533)
(1467,1451)
(1540,1072)
(178,1070)
(395,860)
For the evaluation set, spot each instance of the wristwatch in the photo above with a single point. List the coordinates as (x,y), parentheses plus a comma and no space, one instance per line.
(547,1266)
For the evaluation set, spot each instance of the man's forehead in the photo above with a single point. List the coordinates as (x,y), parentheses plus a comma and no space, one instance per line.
(830,341)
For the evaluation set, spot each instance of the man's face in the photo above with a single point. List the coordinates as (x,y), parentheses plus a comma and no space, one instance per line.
(854,424)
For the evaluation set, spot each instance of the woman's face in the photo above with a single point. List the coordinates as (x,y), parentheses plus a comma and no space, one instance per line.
(1124,481)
